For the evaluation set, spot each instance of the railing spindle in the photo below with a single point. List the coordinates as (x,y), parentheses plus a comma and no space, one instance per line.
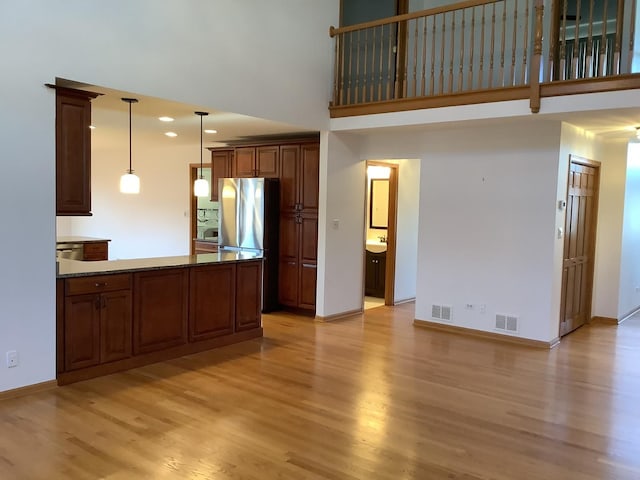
(424,56)
(514,40)
(603,41)
(433,57)
(336,71)
(525,43)
(444,30)
(473,42)
(415,57)
(460,69)
(357,86)
(576,44)
(589,69)
(503,43)
(452,50)
(534,102)
(493,43)
(364,68)
(380,78)
(390,63)
(618,43)
(632,34)
(481,69)
(563,41)
(350,67)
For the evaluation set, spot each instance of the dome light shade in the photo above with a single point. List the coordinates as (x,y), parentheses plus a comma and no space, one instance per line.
(129,183)
(201,187)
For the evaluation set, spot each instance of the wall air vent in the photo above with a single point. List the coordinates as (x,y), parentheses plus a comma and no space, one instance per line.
(507,323)
(441,312)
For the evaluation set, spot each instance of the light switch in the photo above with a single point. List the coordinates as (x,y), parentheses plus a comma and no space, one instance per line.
(335,223)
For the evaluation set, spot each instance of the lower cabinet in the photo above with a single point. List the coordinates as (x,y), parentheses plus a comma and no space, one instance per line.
(376,265)
(212,302)
(112,322)
(248,304)
(97,324)
(160,309)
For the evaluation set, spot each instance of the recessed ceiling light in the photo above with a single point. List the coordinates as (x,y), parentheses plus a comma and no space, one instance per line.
(171,134)
(208,130)
(92,127)
(165,119)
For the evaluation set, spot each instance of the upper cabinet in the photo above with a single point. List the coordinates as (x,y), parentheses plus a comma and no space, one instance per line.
(257,161)
(73,151)
(221,161)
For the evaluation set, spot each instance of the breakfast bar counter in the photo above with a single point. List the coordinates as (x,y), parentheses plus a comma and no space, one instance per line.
(120,314)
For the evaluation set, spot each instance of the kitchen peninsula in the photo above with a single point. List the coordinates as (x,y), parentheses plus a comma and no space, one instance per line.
(121,314)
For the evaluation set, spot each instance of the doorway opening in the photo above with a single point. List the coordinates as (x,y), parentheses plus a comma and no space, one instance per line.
(579,243)
(381,202)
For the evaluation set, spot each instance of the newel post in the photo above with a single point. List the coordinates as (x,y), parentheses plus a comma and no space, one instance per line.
(536,62)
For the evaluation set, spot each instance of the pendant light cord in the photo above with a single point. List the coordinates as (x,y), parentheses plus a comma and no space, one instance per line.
(201,175)
(130,170)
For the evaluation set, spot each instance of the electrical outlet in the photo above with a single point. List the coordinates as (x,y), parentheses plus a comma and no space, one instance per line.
(12,358)
(483,308)
(637,289)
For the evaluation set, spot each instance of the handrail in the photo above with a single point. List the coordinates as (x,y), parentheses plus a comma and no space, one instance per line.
(333,31)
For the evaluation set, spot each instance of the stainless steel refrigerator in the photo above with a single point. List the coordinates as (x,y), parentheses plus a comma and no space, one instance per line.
(249,215)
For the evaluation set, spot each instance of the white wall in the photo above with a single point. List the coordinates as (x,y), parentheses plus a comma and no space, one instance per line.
(340,247)
(407,229)
(486,220)
(629,298)
(154,223)
(606,278)
(230,56)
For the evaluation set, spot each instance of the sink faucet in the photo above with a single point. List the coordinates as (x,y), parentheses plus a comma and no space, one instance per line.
(383,239)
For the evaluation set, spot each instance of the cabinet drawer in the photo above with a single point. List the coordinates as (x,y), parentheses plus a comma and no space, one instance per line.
(97,284)
(96,251)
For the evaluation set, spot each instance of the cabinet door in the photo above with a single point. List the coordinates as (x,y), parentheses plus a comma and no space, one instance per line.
(288,267)
(248,295)
(308,261)
(244,162)
(160,309)
(289,171)
(81,331)
(212,301)
(309,178)
(220,168)
(268,162)
(115,326)
(73,154)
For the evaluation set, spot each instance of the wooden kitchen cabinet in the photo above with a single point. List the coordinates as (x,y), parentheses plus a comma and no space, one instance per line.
(261,161)
(73,151)
(221,162)
(212,295)
(160,309)
(97,320)
(248,298)
(375,269)
(298,261)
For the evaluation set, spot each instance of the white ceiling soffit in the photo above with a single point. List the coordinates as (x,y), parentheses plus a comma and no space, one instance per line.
(109,116)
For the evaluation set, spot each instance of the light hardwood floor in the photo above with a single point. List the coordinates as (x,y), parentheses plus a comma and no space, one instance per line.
(370,397)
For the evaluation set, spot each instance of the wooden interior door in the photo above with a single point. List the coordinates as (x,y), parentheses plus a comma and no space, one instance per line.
(579,244)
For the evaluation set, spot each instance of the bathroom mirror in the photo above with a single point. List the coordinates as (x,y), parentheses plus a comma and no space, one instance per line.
(379,203)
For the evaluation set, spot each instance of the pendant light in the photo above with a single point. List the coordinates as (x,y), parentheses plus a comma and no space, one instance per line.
(129,182)
(201,185)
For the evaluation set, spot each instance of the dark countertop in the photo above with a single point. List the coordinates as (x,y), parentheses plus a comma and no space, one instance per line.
(77,239)
(66,268)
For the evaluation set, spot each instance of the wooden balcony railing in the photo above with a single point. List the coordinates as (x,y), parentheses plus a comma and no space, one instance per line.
(478,51)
